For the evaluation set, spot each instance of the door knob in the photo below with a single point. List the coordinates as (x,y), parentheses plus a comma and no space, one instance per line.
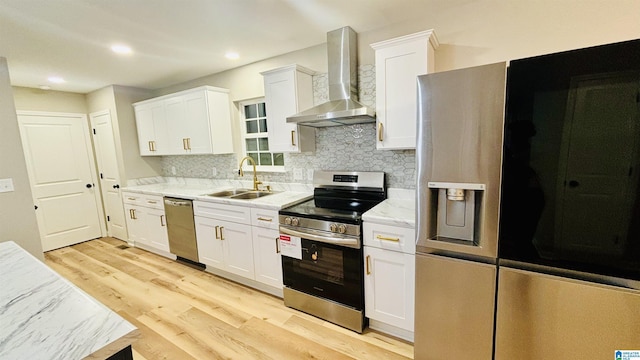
(116,186)
(573,183)
(89,186)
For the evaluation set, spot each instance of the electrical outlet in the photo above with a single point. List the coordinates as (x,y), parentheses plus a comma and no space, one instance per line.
(309,174)
(173,170)
(214,171)
(6,185)
(297,174)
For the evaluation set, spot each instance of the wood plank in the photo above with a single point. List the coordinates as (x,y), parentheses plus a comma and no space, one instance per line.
(114,261)
(284,344)
(184,313)
(345,341)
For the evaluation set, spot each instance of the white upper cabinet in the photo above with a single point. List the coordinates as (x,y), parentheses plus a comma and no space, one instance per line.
(288,90)
(152,128)
(196,121)
(398,63)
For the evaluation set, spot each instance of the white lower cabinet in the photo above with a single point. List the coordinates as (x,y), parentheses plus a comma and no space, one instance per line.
(225,245)
(146,222)
(390,278)
(241,241)
(266,256)
(389,287)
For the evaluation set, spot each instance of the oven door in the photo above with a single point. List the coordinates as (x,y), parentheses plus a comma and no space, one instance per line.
(328,271)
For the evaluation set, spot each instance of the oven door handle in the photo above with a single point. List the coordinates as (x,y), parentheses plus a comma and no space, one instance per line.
(352,243)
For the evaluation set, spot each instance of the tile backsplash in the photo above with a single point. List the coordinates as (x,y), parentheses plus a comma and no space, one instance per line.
(337,148)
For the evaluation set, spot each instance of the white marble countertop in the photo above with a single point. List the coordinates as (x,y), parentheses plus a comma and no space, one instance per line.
(393,211)
(193,191)
(44,316)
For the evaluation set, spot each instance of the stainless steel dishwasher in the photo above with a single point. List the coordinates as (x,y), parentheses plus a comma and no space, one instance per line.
(181,228)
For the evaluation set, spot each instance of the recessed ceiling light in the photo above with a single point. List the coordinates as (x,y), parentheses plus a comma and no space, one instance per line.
(232,55)
(55,79)
(121,49)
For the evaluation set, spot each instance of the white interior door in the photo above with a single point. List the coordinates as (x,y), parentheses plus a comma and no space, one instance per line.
(107,160)
(61,170)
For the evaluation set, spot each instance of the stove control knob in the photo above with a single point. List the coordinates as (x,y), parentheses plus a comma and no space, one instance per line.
(287,220)
(333,227)
(295,221)
(342,228)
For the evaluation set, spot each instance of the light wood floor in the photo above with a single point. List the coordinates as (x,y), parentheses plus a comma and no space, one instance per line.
(185,313)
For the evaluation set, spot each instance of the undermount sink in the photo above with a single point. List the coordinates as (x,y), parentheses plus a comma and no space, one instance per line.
(251,195)
(244,194)
(228,193)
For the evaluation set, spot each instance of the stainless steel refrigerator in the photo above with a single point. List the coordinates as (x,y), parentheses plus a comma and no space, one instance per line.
(528,208)
(458,151)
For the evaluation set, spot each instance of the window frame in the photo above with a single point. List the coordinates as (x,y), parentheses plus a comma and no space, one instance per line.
(244,135)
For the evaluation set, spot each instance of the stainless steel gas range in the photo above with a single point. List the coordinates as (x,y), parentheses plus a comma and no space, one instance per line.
(321,244)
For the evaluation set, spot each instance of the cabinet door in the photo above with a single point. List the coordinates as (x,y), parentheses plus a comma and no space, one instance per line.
(197,127)
(398,63)
(210,250)
(136,225)
(266,255)
(238,248)
(157,229)
(219,112)
(286,93)
(151,128)
(389,287)
(177,125)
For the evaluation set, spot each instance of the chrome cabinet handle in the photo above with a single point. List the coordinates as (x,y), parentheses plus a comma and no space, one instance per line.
(150,145)
(293,141)
(162,223)
(278,245)
(133,214)
(367,263)
(265,219)
(380,237)
(189,143)
(380,127)
(217,228)
(221,233)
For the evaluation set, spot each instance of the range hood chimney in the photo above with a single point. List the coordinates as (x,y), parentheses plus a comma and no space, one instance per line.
(343,107)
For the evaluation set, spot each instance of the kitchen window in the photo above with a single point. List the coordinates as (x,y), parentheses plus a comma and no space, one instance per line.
(253,114)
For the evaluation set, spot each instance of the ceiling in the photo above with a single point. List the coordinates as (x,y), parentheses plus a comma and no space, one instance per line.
(172,40)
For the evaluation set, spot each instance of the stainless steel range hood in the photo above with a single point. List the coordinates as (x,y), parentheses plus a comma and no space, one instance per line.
(343,107)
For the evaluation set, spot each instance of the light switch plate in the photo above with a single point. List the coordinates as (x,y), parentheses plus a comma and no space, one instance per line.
(297,174)
(6,185)
(309,174)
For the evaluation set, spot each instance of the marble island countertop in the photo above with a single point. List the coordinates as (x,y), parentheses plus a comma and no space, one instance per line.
(44,316)
(281,197)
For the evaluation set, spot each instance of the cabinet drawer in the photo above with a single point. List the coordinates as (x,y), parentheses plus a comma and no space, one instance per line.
(150,201)
(264,218)
(153,201)
(132,198)
(234,213)
(389,237)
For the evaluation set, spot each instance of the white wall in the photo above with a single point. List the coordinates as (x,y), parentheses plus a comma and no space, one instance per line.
(471,32)
(17,216)
(29,99)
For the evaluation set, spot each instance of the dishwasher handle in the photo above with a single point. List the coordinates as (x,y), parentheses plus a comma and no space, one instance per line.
(176,202)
